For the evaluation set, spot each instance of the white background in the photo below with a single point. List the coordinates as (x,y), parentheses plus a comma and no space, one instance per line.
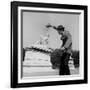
(5,46)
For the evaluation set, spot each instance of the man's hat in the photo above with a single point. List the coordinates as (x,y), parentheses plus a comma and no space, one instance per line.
(60,27)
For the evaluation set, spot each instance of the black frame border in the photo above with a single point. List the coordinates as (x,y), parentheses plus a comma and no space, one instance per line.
(14,43)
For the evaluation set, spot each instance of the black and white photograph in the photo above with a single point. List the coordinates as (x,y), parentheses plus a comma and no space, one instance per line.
(50,43)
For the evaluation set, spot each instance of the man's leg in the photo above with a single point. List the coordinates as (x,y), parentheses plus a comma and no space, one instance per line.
(64,68)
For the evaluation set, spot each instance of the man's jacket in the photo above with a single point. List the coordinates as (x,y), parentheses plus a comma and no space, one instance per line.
(67,41)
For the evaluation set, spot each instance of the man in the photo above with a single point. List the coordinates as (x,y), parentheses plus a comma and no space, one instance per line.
(66,48)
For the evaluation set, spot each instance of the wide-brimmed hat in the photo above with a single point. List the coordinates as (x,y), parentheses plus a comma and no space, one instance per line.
(60,27)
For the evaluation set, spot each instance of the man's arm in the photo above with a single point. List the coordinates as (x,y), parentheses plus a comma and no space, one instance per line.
(54,27)
(49,25)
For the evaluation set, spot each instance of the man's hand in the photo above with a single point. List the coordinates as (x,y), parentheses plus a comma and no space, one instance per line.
(49,25)
(62,48)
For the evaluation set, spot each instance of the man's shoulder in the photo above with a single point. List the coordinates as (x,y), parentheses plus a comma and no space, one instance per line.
(66,32)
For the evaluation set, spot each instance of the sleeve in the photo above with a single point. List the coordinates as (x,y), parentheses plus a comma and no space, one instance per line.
(68,41)
(54,27)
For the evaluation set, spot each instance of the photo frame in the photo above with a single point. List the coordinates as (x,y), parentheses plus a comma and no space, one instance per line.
(27,27)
